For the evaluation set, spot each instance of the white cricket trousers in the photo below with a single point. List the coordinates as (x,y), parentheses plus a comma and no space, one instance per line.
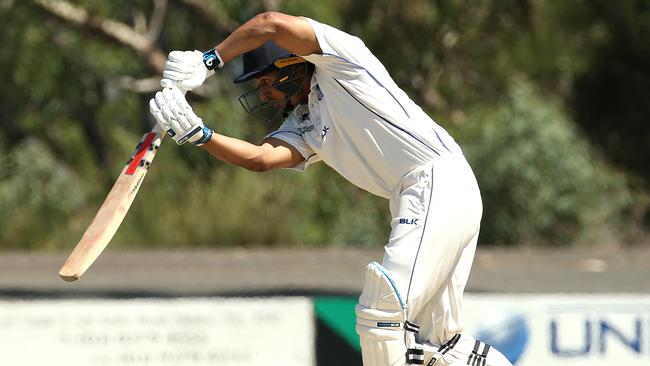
(436,212)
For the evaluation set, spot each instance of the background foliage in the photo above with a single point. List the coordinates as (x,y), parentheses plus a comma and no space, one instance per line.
(550,100)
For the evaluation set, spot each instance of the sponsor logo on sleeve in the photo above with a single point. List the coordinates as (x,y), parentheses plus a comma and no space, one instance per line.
(305,129)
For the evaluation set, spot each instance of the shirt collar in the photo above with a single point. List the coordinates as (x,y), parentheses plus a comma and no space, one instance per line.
(300,111)
(313,81)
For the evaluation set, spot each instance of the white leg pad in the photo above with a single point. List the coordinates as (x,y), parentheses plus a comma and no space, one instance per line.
(381,313)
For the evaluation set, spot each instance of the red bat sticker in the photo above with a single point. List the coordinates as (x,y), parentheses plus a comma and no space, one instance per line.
(144,146)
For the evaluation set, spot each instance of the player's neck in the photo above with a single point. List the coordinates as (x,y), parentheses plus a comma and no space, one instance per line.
(302,96)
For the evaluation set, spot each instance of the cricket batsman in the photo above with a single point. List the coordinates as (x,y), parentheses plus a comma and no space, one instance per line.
(339,105)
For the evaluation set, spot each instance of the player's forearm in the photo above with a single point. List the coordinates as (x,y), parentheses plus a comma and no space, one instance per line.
(235,151)
(291,33)
(250,35)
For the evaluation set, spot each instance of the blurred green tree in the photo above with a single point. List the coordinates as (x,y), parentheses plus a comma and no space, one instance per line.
(540,181)
(78,76)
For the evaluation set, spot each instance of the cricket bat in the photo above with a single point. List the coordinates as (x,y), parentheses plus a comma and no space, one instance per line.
(114,209)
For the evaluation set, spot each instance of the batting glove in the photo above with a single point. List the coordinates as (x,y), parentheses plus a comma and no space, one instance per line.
(189,69)
(175,115)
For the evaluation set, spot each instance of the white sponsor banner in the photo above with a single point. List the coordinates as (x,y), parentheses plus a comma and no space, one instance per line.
(560,330)
(196,331)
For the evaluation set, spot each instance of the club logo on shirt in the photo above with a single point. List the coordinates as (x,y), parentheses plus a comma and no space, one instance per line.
(303,118)
(319,93)
(407,221)
(301,113)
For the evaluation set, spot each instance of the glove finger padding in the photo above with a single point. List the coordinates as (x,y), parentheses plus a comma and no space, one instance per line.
(185,56)
(162,104)
(175,116)
(177,67)
(183,62)
(186,68)
(187,125)
(184,122)
(175,55)
(167,83)
(158,115)
(171,98)
(181,123)
(193,117)
(176,75)
(180,101)
(173,127)
(185,109)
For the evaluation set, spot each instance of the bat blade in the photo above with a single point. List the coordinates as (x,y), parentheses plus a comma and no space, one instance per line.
(113,210)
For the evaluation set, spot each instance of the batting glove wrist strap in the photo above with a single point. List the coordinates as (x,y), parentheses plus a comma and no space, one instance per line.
(212,59)
(207,134)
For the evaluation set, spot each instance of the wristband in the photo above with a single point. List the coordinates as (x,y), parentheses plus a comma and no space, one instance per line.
(212,59)
(207,134)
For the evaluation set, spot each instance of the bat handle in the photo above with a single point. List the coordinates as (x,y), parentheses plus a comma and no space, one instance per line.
(156,129)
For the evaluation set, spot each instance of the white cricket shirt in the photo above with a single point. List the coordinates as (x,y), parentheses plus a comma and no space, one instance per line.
(359,122)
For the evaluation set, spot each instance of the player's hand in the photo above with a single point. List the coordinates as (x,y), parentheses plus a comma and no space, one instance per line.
(175,116)
(189,69)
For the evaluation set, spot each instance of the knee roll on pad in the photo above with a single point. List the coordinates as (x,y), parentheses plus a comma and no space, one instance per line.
(381,313)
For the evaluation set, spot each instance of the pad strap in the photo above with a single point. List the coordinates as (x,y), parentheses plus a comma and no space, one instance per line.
(418,354)
(415,356)
(414,353)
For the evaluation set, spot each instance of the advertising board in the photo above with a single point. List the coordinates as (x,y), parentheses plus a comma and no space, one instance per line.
(562,330)
(194,331)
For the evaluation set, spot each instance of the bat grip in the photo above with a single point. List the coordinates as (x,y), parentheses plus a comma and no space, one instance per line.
(156,129)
